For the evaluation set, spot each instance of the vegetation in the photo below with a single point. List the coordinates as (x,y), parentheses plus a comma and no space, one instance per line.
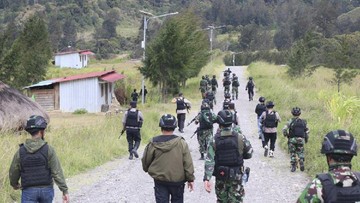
(321,106)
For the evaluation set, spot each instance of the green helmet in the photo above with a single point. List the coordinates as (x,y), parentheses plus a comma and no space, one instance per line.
(205,106)
(225,118)
(168,121)
(339,142)
(296,111)
(35,123)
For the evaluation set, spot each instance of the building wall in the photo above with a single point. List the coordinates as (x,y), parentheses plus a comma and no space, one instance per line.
(80,94)
(69,61)
(44,97)
(105,93)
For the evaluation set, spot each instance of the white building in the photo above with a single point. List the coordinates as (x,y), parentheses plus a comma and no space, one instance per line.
(90,91)
(72,59)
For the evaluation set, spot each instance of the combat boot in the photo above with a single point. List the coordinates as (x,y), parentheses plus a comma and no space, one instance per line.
(131,156)
(293,167)
(202,156)
(302,167)
(266,150)
(271,153)
(134,150)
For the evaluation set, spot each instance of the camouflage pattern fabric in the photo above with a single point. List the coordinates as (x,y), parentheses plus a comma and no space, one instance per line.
(234,91)
(296,148)
(313,191)
(226,88)
(204,138)
(230,191)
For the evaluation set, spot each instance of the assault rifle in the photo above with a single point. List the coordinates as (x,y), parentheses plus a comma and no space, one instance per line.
(197,130)
(247,172)
(194,119)
(121,133)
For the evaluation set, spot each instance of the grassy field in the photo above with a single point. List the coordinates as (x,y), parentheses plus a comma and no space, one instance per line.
(321,106)
(85,141)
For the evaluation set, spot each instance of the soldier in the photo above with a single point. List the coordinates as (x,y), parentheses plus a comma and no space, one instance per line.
(210,98)
(226,84)
(145,93)
(250,88)
(227,101)
(37,165)
(214,84)
(205,119)
(234,86)
(225,160)
(182,106)
(340,184)
(168,161)
(203,86)
(134,95)
(132,123)
(297,135)
(270,120)
(232,109)
(259,109)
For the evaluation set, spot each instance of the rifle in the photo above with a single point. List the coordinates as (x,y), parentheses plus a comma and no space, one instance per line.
(191,121)
(197,130)
(247,172)
(121,133)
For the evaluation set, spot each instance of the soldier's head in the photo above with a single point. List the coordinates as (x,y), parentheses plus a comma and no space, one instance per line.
(262,99)
(167,123)
(296,111)
(250,78)
(133,104)
(270,105)
(180,94)
(36,124)
(205,106)
(206,76)
(227,95)
(214,76)
(339,146)
(202,77)
(225,118)
(134,90)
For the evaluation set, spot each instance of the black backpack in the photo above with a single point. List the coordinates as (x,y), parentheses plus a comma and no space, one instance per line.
(297,128)
(235,83)
(227,81)
(270,120)
(250,84)
(206,120)
(210,96)
(335,193)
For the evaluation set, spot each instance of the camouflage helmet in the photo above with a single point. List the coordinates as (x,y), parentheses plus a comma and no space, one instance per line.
(296,111)
(250,78)
(262,99)
(205,106)
(225,118)
(339,142)
(168,121)
(270,104)
(35,123)
(227,95)
(203,77)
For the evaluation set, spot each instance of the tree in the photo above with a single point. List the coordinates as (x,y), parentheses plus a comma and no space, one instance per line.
(177,53)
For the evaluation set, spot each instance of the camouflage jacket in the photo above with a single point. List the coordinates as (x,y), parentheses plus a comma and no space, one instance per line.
(313,192)
(245,149)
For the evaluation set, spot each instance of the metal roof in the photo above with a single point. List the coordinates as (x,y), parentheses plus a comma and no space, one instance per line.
(83,52)
(112,77)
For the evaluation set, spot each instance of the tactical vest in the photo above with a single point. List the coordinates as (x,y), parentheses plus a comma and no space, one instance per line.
(210,96)
(132,119)
(226,81)
(297,128)
(227,151)
(180,104)
(213,82)
(270,120)
(260,108)
(335,193)
(34,167)
(206,120)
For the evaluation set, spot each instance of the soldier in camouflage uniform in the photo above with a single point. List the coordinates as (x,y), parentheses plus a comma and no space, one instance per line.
(225,159)
(297,132)
(203,86)
(205,119)
(340,184)
(235,87)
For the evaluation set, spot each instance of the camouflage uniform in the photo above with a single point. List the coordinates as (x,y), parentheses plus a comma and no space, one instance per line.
(227,191)
(313,193)
(203,87)
(295,144)
(204,136)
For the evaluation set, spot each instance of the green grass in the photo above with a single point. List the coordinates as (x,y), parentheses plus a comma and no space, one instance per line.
(321,106)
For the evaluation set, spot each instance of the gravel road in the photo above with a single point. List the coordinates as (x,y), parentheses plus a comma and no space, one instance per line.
(124,181)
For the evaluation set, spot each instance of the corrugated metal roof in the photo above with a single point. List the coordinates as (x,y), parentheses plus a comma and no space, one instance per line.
(42,83)
(86,53)
(112,77)
(72,52)
(83,76)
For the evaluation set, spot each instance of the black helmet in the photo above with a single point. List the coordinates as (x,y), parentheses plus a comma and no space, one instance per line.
(225,118)
(133,104)
(214,76)
(227,95)
(168,121)
(205,106)
(339,142)
(296,111)
(203,77)
(234,74)
(262,99)
(35,123)
(250,78)
(270,104)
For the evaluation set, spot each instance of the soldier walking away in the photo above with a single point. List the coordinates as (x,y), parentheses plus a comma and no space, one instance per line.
(205,119)
(297,132)
(182,106)
(38,166)
(132,123)
(259,109)
(134,95)
(340,184)
(168,161)
(232,109)
(250,88)
(226,84)
(210,98)
(270,120)
(214,84)
(203,86)
(227,101)
(225,161)
(145,93)
(234,87)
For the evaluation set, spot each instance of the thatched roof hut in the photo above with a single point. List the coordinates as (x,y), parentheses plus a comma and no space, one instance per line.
(16,108)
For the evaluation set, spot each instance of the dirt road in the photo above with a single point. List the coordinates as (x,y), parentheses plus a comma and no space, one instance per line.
(123,181)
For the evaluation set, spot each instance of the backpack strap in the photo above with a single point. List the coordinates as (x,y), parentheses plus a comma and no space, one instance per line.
(326,182)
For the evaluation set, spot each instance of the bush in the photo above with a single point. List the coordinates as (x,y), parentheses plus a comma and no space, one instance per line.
(80,111)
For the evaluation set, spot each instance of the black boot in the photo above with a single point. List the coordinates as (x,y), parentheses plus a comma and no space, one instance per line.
(202,156)
(302,167)
(134,150)
(293,167)
(131,156)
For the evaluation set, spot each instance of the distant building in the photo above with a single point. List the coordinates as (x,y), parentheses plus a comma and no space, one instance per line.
(91,91)
(72,59)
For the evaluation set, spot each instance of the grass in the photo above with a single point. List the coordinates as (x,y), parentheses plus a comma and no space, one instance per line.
(84,141)
(321,106)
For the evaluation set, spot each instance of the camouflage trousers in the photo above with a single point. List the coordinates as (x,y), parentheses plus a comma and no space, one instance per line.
(204,137)
(229,191)
(203,92)
(234,91)
(296,149)
(227,89)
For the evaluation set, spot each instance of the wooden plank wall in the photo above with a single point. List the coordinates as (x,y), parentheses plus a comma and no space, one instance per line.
(45,97)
